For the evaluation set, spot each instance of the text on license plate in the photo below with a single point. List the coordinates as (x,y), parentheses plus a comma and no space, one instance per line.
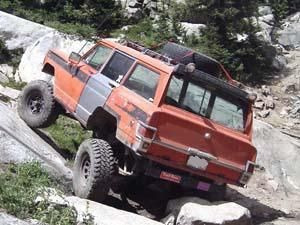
(170,177)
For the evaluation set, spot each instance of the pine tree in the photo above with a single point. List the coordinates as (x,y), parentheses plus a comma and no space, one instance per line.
(226,21)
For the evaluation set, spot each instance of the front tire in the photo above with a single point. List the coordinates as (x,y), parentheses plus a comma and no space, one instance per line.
(36,104)
(94,169)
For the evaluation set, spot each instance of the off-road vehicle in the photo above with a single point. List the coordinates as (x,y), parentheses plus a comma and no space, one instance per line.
(176,115)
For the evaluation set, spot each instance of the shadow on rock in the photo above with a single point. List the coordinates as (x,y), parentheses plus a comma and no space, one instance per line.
(144,198)
(261,213)
(63,152)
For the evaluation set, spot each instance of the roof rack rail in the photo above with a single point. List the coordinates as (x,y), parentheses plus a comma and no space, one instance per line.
(147,51)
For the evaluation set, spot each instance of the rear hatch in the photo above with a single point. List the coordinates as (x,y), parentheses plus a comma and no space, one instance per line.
(204,126)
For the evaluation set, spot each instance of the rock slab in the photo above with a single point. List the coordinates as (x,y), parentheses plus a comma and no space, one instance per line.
(18,144)
(101,214)
(289,35)
(195,211)
(20,33)
(278,154)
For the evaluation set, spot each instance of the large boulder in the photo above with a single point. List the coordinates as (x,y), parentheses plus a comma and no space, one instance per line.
(20,33)
(36,40)
(195,211)
(32,60)
(19,144)
(278,154)
(264,10)
(289,35)
(266,23)
(192,28)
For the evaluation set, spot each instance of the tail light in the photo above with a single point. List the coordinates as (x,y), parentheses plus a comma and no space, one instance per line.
(250,166)
(145,135)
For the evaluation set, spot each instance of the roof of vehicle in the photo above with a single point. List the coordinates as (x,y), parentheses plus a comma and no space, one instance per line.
(146,59)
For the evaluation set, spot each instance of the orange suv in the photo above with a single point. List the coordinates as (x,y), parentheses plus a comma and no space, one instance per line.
(176,115)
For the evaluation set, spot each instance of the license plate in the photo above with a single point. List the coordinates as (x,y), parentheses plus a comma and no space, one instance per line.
(170,177)
(197,163)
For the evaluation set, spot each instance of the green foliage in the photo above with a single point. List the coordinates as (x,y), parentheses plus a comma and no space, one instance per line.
(280,9)
(84,17)
(67,134)
(73,28)
(12,83)
(12,58)
(154,32)
(20,186)
(4,53)
(225,20)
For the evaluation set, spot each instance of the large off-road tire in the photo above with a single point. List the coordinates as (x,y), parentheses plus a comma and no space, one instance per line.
(36,104)
(94,168)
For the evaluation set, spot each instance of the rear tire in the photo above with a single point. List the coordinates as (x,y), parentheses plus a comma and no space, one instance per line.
(94,168)
(37,105)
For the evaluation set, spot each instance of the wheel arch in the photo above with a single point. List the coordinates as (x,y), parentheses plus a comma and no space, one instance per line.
(102,118)
(49,69)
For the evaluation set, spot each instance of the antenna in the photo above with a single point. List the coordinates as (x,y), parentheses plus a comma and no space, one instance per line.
(83,47)
(100,25)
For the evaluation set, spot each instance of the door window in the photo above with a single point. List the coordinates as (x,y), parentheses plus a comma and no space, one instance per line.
(118,66)
(143,81)
(98,56)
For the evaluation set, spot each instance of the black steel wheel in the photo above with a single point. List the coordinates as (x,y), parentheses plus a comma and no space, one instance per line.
(94,169)
(36,104)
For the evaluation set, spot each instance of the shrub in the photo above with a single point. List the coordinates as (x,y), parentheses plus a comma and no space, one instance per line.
(20,186)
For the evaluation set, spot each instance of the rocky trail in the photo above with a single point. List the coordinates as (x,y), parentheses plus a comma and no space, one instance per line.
(272,197)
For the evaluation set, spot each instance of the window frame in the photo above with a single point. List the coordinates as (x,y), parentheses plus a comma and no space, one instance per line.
(90,52)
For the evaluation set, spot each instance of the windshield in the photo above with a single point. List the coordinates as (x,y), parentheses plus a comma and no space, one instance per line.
(207,101)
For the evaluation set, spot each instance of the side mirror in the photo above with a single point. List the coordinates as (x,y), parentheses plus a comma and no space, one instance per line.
(74,58)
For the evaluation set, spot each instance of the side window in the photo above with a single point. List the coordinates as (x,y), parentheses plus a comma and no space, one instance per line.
(117,66)
(228,114)
(143,81)
(98,56)
(196,99)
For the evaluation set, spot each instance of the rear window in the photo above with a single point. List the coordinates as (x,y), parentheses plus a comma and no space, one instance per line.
(204,101)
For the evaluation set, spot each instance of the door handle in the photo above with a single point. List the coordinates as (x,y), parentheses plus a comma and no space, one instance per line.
(113,84)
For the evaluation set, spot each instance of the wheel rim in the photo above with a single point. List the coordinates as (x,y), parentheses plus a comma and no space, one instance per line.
(36,103)
(85,168)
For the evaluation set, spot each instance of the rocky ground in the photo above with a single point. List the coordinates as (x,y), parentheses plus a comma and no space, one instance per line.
(278,100)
